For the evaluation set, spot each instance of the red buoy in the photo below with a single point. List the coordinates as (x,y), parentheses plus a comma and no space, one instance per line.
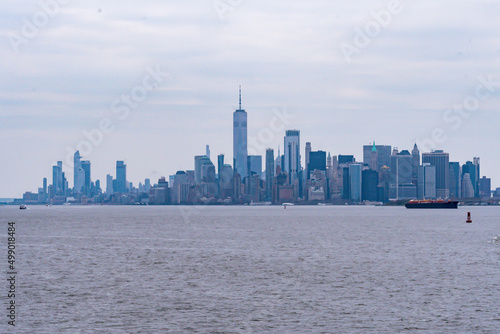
(469,218)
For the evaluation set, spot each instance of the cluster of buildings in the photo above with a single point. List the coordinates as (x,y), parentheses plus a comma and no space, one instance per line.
(385,174)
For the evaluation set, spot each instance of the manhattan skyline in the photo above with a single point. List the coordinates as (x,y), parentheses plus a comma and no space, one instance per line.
(397,90)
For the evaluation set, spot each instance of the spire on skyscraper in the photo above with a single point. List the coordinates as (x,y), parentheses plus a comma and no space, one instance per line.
(240,97)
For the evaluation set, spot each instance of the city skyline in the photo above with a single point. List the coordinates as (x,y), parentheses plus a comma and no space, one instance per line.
(316,179)
(435,82)
(288,138)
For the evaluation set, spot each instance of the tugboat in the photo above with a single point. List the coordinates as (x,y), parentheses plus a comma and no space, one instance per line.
(22,207)
(432,204)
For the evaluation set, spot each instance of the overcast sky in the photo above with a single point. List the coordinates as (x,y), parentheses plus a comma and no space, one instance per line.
(65,69)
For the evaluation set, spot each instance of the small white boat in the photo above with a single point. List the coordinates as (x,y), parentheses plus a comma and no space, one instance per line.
(22,207)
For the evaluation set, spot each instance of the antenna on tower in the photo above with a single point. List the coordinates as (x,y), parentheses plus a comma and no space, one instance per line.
(240,97)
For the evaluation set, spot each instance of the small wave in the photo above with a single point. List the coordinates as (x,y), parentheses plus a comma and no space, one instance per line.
(495,240)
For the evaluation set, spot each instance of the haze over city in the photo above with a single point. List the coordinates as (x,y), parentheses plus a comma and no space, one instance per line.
(402,86)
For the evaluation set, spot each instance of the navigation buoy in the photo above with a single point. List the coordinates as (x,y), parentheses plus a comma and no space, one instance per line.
(469,218)
(285,206)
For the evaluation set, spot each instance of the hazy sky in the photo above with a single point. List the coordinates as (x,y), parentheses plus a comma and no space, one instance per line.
(410,68)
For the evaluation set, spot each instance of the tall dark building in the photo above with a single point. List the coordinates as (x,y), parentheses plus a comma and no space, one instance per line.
(441,160)
(346,159)
(87,180)
(455,180)
(220,166)
(346,180)
(317,161)
(121,177)
(369,185)
(269,173)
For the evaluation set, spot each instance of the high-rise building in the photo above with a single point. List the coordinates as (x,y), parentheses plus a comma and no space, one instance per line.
(485,187)
(476,163)
(426,181)
(472,168)
(109,185)
(255,165)
(455,177)
(45,185)
(346,159)
(179,193)
(355,182)
(317,161)
(401,168)
(441,160)
(226,181)
(220,165)
(269,173)
(57,179)
(374,158)
(240,150)
(87,177)
(78,174)
(401,186)
(467,187)
(292,155)
(383,155)
(308,152)
(369,185)
(121,177)
(416,163)
(208,173)
(199,162)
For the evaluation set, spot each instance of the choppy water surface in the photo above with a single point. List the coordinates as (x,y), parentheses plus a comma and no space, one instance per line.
(255,270)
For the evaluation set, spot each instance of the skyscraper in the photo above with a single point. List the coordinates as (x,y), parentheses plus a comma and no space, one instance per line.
(441,160)
(308,152)
(87,179)
(454,176)
(199,162)
(355,182)
(292,155)
(269,173)
(240,150)
(426,181)
(220,165)
(478,175)
(317,161)
(416,163)
(109,185)
(402,186)
(369,183)
(374,158)
(58,179)
(78,174)
(472,168)
(485,187)
(383,155)
(121,177)
(255,165)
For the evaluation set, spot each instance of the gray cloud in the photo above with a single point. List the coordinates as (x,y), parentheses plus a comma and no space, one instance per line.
(284,53)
